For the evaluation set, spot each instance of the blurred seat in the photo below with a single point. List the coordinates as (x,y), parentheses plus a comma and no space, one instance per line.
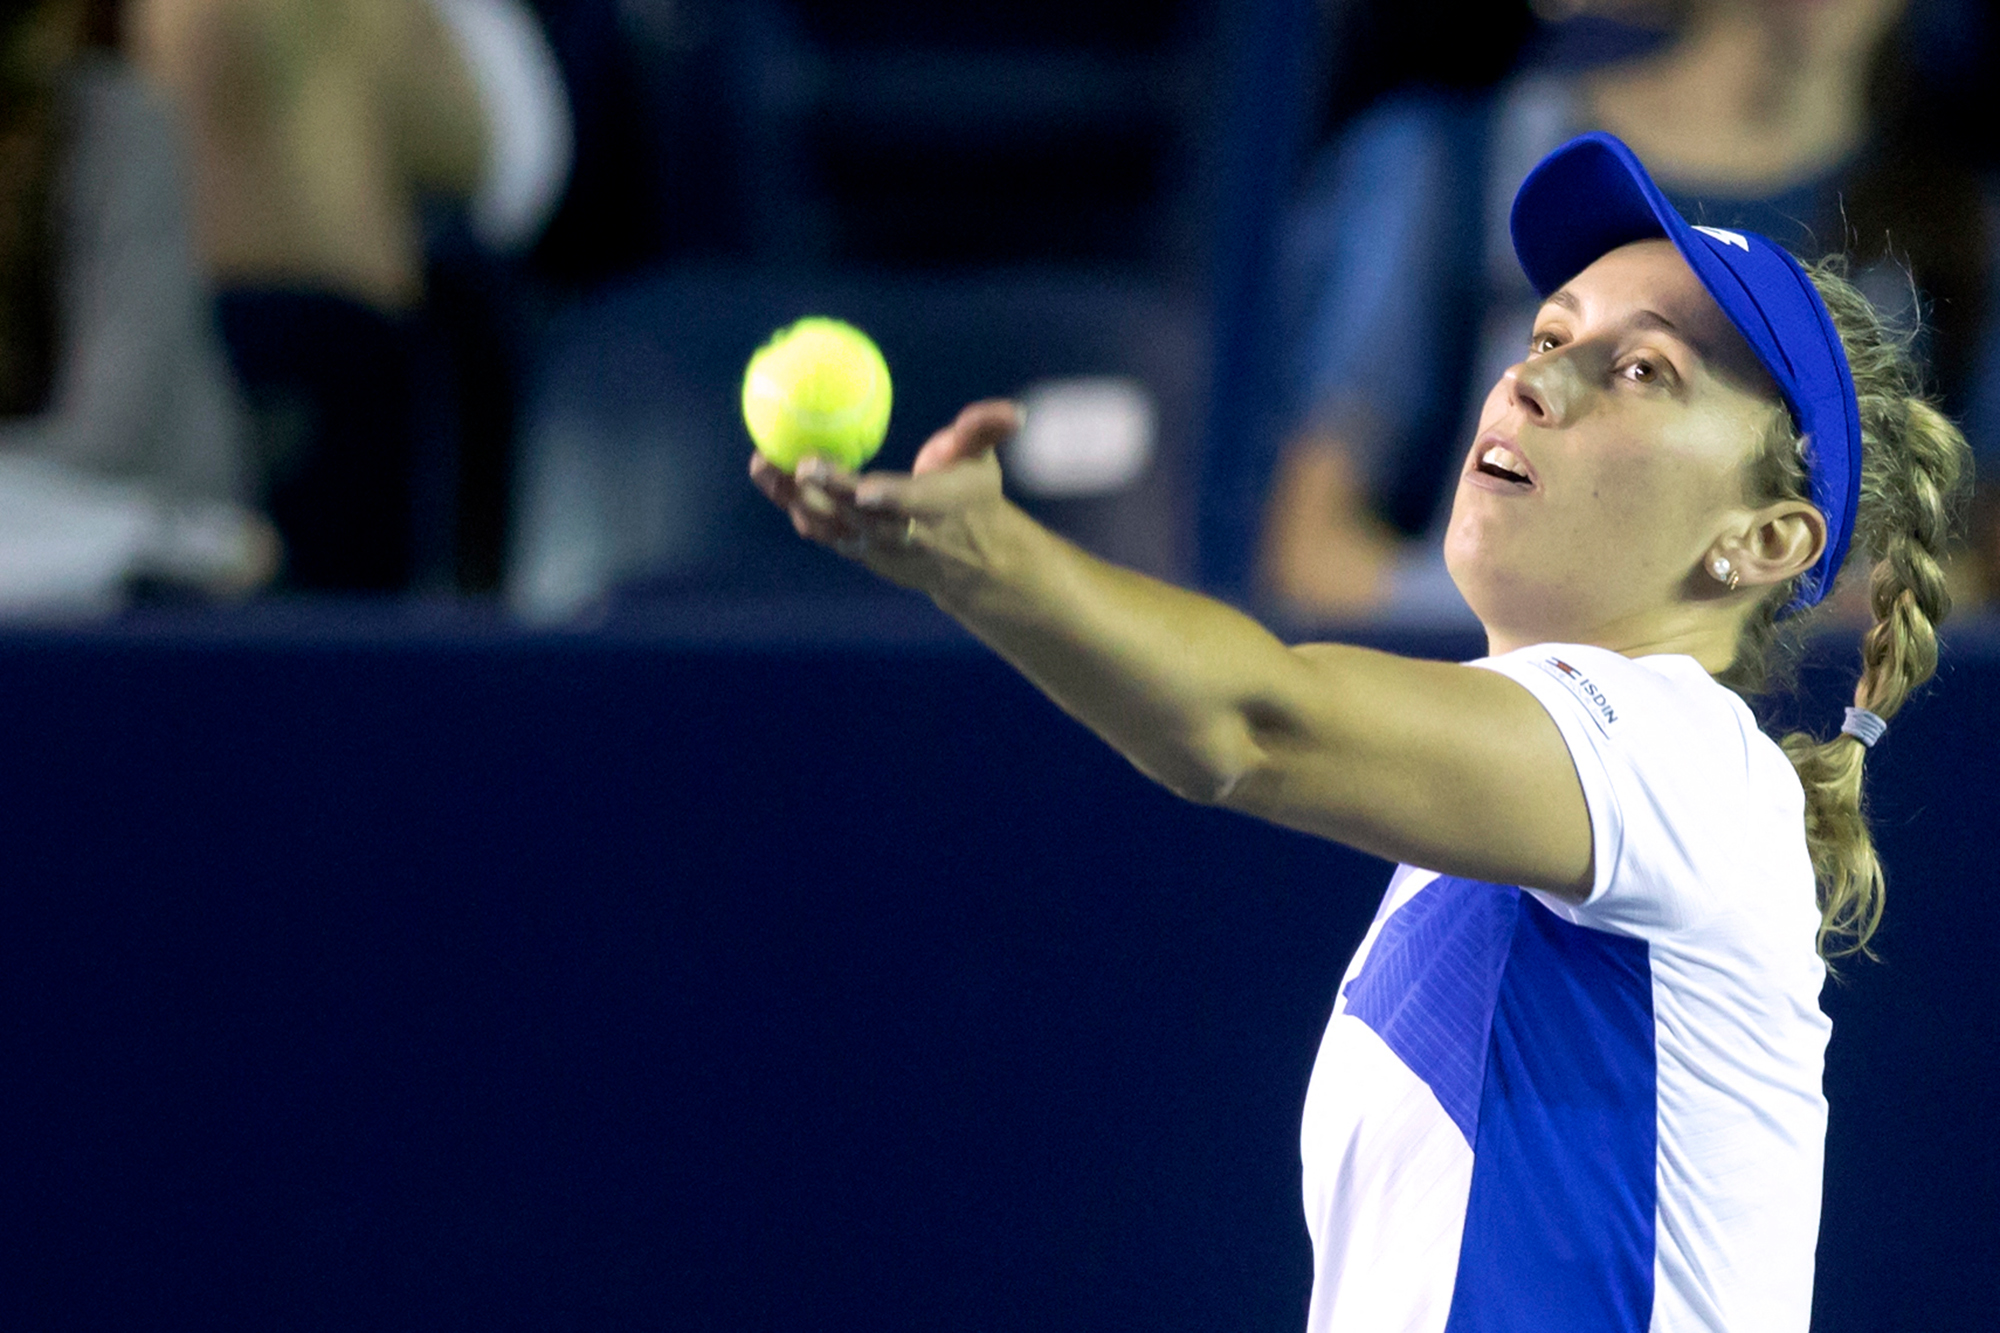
(905,135)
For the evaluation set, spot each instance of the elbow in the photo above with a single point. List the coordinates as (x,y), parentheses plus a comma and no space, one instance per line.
(1222,790)
(1218,775)
(1199,788)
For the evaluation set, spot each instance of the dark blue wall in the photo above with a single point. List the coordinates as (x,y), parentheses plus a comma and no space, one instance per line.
(686,975)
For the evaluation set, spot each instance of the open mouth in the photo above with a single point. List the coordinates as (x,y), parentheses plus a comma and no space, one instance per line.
(1502,462)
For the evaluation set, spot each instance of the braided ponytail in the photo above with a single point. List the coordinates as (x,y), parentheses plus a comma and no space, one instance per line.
(1915,465)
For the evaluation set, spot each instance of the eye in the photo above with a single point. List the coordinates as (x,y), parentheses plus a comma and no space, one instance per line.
(1641,370)
(1543,340)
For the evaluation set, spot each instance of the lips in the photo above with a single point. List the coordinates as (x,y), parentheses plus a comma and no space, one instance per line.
(1497,459)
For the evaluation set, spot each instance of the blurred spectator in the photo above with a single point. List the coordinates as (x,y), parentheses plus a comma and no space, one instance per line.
(120,440)
(1790,119)
(322,130)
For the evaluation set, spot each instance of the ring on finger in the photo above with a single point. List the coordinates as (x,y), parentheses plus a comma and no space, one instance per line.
(910,531)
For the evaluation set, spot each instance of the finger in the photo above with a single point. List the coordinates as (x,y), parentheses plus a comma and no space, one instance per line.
(835,481)
(777,486)
(827,530)
(852,496)
(884,533)
(819,502)
(816,499)
(980,428)
(932,495)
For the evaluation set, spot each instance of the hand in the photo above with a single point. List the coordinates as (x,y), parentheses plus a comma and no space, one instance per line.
(920,528)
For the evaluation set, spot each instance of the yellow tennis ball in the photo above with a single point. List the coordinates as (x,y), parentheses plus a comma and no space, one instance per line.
(818,387)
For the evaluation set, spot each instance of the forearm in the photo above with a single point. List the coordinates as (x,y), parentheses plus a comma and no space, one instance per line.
(1168,677)
(1432,763)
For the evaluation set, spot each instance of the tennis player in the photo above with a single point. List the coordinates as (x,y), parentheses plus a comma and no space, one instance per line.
(1572,1078)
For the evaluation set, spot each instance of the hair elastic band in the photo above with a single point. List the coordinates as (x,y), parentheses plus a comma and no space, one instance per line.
(1864,726)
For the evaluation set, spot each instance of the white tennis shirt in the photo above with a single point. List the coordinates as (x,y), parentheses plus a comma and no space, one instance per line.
(1529,1115)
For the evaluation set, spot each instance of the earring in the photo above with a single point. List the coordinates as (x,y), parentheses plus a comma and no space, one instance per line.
(1724,572)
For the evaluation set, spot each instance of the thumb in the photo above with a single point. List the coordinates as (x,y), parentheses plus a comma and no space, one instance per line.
(980,428)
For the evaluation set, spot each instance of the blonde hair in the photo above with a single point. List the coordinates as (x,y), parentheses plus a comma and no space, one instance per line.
(1915,468)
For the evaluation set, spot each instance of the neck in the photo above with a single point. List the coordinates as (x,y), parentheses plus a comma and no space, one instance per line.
(1707,632)
(1744,101)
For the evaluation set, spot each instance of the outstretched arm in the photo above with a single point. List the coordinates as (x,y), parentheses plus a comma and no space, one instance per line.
(1453,768)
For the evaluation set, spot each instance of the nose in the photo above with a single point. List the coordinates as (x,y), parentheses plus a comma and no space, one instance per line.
(1542,388)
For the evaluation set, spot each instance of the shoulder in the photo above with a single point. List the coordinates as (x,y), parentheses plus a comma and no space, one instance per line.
(1630,699)
(1691,804)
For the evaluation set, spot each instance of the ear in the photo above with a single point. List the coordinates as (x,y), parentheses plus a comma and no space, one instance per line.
(1774,544)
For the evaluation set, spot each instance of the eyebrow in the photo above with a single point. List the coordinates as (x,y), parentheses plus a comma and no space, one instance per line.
(1645,319)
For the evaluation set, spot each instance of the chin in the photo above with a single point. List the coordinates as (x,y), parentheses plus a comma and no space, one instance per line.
(1510,601)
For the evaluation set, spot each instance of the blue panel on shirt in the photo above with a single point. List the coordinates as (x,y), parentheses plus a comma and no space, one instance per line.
(1559,1225)
(1429,984)
(1536,1037)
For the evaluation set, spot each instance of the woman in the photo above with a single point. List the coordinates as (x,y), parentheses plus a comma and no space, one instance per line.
(1572,1079)
(318,131)
(121,441)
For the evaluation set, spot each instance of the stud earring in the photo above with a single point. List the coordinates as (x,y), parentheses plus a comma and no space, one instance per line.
(1724,572)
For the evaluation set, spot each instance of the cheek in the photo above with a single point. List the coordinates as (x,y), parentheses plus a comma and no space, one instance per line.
(1663,499)
(1495,405)
(1709,470)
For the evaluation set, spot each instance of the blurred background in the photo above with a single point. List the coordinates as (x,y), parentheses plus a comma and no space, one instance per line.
(449,299)
(468,865)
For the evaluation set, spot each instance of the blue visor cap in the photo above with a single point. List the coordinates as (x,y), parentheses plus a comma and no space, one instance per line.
(1591,196)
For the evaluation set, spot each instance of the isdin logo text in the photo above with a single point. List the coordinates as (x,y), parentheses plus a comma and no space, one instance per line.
(1583,688)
